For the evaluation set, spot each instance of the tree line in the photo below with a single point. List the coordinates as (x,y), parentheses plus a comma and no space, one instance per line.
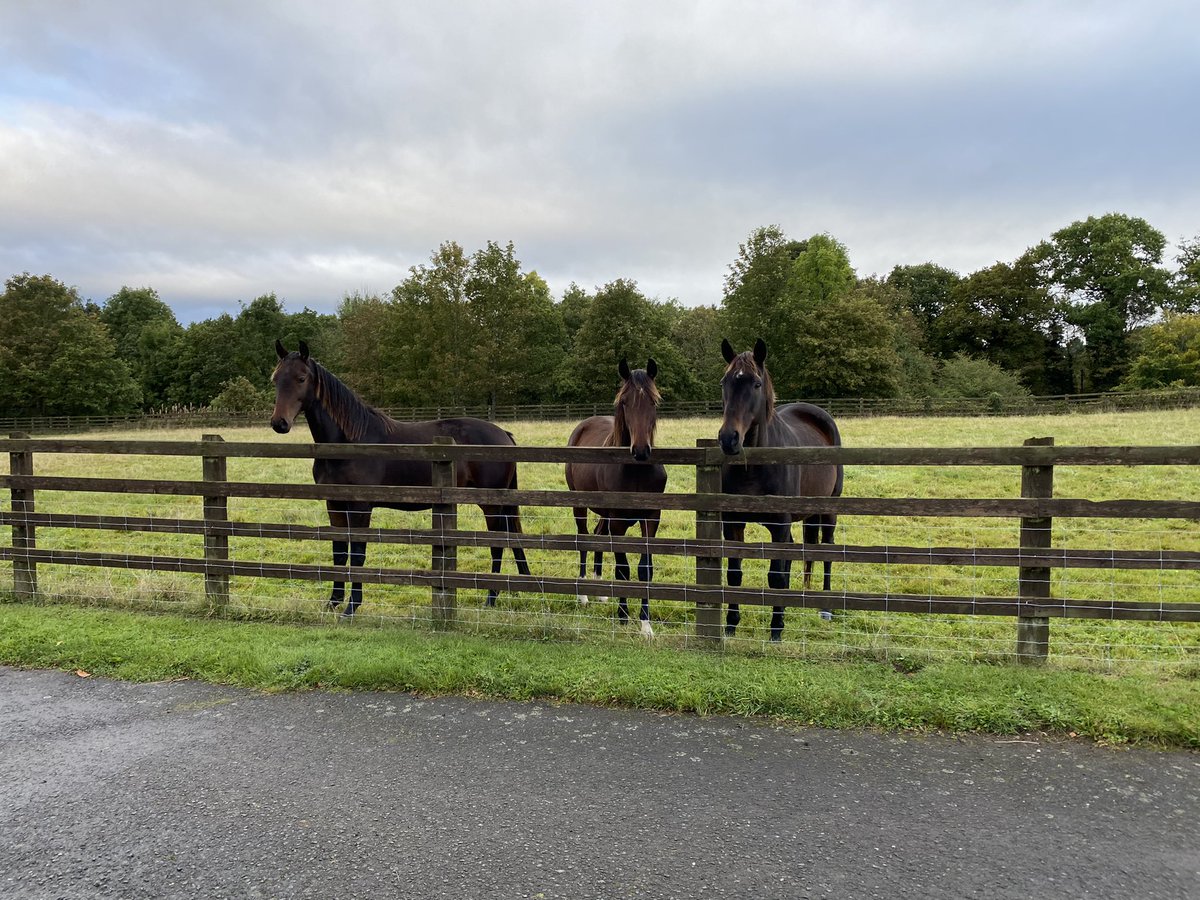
(1094,307)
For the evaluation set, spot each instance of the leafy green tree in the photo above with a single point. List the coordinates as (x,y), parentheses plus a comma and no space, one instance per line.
(1166,354)
(573,309)
(820,272)
(207,358)
(365,349)
(1186,280)
(1109,270)
(433,334)
(146,334)
(846,348)
(1005,315)
(622,322)
(697,333)
(56,356)
(754,303)
(928,288)
(963,376)
(518,332)
(238,394)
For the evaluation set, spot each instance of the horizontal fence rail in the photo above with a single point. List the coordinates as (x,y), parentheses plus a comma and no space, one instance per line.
(1032,606)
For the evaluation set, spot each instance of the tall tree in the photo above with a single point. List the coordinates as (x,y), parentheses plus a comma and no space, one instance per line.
(1003,314)
(756,284)
(56,356)
(519,332)
(622,322)
(1109,270)
(928,287)
(146,334)
(1166,354)
(1186,280)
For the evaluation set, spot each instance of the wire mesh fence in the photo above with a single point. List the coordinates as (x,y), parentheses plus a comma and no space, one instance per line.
(124,524)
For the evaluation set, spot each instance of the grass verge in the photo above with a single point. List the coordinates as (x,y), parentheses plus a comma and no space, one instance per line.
(947,696)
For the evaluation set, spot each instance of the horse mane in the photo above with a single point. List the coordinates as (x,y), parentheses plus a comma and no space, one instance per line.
(353,415)
(637,382)
(745,362)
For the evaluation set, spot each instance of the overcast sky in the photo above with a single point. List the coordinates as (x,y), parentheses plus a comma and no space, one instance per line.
(217,151)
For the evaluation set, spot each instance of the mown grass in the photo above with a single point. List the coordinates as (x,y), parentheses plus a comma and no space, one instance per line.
(942,695)
(866,668)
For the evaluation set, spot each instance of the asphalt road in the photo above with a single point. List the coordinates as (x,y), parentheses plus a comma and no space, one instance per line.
(190,790)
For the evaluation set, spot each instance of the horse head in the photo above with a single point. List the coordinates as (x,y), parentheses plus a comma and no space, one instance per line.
(747,393)
(293,378)
(636,408)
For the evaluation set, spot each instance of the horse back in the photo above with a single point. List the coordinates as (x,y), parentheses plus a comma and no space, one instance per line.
(814,427)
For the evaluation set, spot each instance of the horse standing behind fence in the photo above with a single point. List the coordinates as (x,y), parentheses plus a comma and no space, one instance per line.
(336,414)
(750,419)
(632,425)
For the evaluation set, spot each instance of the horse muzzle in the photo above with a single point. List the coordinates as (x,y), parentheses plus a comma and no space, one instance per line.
(731,442)
(281,426)
(641,453)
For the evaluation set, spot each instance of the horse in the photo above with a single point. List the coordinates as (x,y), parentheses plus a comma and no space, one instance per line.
(336,414)
(632,425)
(751,419)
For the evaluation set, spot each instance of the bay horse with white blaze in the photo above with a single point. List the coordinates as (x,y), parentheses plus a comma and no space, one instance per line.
(632,425)
(751,419)
(336,414)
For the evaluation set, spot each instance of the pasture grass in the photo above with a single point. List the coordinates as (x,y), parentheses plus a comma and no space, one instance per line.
(874,655)
(944,695)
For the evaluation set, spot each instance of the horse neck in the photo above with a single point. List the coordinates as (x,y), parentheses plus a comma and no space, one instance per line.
(336,414)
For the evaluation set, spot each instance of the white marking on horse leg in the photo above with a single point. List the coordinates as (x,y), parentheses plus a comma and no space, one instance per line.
(647,631)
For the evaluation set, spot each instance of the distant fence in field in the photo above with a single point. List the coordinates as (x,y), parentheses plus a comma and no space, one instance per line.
(1032,607)
(841,407)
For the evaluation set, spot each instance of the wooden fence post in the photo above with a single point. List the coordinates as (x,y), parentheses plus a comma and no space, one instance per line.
(445,556)
(216,542)
(1033,632)
(708,568)
(24,536)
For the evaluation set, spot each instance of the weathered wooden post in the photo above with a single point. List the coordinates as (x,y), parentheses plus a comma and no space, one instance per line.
(444,555)
(1033,631)
(24,535)
(216,538)
(708,528)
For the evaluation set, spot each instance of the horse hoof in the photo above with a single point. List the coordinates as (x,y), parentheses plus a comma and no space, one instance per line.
(730,630)
(826,615)
(583,599)
(647,631)
(776,638)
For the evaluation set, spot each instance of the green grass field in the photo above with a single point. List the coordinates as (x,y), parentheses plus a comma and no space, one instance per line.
(1112,682)
(911,640)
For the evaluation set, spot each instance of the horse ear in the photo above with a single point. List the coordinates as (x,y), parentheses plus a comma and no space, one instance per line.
(304,351)
(760,351)
(727,350)
(623,369)
(651,367)
(280,349)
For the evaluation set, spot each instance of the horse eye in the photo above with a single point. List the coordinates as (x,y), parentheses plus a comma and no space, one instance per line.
(757,385)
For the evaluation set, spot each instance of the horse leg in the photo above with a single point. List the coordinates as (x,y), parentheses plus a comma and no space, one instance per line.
(646,568)
(341,549)
(581,528)
(617,528)
(779,576)
(496,521)
(358,556)
(603,526)
(828,524)
(733,531)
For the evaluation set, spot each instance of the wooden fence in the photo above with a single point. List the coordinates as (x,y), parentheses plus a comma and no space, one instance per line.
(1032,608)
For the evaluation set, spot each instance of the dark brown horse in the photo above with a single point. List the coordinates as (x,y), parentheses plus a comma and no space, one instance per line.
(751,419)
(336,414)
(632,425)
